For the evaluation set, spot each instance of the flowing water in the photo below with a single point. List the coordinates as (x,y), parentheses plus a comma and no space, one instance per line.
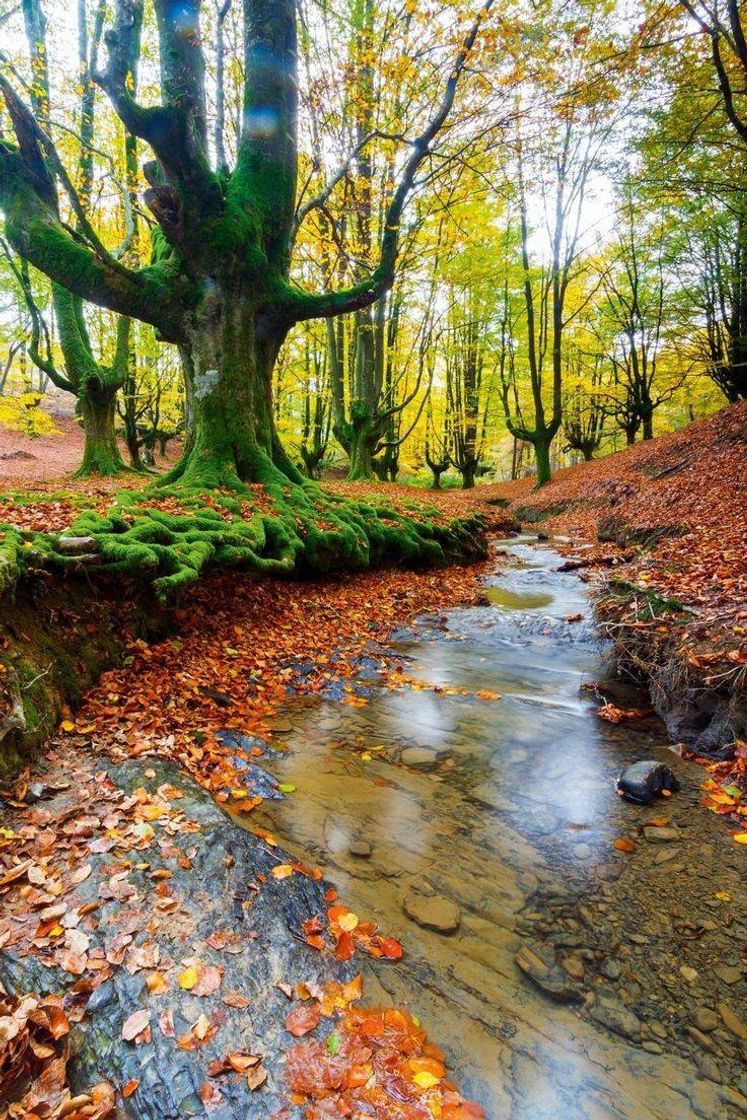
(513,821)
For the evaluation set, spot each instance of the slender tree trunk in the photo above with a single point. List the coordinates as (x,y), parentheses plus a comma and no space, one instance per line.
(97,409)
(648,425)
(131,437)
(542,458)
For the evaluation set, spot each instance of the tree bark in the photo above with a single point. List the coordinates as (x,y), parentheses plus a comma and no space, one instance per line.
(232,347)
(101,453)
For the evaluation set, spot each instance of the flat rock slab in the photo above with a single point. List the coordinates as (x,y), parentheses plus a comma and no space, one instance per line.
(419,758)
(230,888)
(432,912)
(662,835)
(733,1025)
(538,963)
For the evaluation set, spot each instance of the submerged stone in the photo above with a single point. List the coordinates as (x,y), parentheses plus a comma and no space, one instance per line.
(419,758)
(538,963)
(432,912)
(616,1018)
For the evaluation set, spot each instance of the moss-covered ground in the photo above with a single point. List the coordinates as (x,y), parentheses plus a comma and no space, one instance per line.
(167,536)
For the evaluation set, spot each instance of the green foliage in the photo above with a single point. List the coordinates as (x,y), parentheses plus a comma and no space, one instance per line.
(11,557)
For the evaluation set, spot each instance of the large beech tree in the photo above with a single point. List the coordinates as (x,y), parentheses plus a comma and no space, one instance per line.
(219,282)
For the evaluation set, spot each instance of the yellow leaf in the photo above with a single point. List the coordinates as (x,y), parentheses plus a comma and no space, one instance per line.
(425,1080)
(282,871)
(67,725)
(188,978)
(348,921)
(723,896)
(740,838)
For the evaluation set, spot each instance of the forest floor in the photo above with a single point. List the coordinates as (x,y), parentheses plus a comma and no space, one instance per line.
(675,512)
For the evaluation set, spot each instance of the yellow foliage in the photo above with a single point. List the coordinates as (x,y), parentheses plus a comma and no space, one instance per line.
(24,414)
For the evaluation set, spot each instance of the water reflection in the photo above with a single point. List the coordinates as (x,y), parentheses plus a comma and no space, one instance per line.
(517,790)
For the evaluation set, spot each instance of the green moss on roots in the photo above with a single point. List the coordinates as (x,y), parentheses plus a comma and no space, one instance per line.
(12,549)
(169,536)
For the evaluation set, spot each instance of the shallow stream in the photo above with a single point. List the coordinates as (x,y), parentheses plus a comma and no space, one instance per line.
(512,819)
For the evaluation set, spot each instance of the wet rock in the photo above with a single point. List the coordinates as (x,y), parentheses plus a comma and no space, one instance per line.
(538,963)
(362,849)
(662,835)
(666,854)
(688,973)
(703,1041)
(644,781)
(432,912)
(705,1019)
(487,795)
(708,1067)
(543,536)
(574,966)
(652,1047)
(733,1025)
(41,791)
(568,941)
(730,974)
(419,758)
(616,1018)
(612,969)
(582,851)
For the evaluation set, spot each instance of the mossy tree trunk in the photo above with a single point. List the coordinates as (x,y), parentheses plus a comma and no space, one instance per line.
(94,383)
(218,284)
(98,411)
(233,347)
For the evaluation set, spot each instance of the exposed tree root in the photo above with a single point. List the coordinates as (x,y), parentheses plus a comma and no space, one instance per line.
(169,535)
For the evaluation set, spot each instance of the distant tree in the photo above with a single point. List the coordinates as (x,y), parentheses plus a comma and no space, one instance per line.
(93,382)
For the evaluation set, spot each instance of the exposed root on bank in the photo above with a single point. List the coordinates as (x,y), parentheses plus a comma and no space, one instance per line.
(171,534)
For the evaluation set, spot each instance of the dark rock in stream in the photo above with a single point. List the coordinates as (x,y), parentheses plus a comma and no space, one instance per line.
(230,889)
(644,781)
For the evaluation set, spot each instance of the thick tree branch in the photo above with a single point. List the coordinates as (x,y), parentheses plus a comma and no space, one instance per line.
(267,166)
(35,231)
